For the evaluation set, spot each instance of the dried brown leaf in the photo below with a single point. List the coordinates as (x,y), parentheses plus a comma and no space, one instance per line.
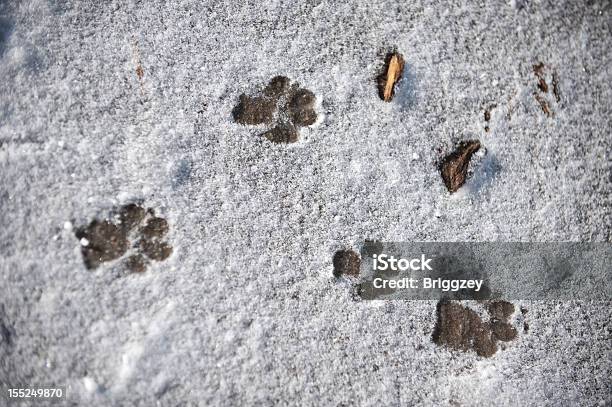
(454,167)
(392,73)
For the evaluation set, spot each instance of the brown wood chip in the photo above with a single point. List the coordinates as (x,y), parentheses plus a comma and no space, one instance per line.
(454,167)
(392,73)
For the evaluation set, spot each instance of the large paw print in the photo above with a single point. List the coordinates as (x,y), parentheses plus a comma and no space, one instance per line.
(461,328)
(284,105)
(132,230)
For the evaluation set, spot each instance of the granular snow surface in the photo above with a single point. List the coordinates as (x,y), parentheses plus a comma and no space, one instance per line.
(108,103)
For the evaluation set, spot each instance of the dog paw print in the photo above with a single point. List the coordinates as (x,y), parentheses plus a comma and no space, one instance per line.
(282,106)
(547,88)
(133,230)
(461,328)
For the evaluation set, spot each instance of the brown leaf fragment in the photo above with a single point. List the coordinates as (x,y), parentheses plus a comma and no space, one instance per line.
(544,105)
(538,69)
(346,262)
(542,85)
(454,167)
(392,73)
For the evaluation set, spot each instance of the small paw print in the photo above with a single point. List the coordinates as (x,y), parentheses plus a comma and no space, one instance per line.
(461,328)
(282,105)
(132,230)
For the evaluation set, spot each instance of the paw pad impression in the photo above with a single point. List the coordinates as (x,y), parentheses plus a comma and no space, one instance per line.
(461,328)
(134,230)
(282,105)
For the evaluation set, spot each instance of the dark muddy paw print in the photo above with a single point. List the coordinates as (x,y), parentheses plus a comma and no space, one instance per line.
(283,105)
(461,328)
(133,230)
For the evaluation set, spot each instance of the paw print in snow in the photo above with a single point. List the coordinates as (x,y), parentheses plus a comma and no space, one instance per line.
(284,105)
(461,328)
(134,230)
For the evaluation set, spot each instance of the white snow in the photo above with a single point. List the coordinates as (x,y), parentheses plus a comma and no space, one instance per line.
(246,310)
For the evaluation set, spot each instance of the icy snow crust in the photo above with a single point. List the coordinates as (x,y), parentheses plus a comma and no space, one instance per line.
(246,311)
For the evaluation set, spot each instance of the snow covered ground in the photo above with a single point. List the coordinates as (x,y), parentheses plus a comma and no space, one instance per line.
(108,103)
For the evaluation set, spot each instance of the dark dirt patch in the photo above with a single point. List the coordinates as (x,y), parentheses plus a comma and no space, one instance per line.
(391,74)
(455,166)
(281,104)
(461,328)
(134,229)
(347,263)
